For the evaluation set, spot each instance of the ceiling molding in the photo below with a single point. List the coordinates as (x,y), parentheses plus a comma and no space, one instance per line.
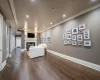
(11,2)
(74,16)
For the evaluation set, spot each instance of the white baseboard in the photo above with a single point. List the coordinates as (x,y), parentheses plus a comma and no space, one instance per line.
(3,65)
(82,62)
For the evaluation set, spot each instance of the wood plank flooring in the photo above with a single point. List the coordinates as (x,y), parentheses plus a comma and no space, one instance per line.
(49,67)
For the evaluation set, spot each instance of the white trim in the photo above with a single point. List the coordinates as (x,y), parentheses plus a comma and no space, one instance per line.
(1,27)
(30,40)
(13,11)
(82,62)
(3,65)
(74,16)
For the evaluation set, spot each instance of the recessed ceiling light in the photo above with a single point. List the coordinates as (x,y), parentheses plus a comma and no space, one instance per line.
(32,0)
(93,0)
(27,16)
(51,23)
(44,27)
(64,15)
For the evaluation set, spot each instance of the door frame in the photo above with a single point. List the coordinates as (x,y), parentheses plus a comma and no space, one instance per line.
(1,36)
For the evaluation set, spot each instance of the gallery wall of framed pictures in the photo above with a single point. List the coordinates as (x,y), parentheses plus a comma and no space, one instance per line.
(77,36)
(45,39)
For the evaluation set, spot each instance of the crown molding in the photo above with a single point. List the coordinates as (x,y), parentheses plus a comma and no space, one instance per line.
(11,2)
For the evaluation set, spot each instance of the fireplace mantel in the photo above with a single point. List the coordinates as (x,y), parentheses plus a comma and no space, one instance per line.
(30,40)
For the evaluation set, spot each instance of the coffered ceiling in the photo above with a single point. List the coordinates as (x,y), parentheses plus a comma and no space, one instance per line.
(43,12)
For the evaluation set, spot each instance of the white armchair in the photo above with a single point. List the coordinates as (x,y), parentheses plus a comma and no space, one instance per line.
(36,52)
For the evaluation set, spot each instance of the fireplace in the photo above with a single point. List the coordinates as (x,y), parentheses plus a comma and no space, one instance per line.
(28,44)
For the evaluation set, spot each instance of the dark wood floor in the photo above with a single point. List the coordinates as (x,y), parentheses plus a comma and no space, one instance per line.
(49,67)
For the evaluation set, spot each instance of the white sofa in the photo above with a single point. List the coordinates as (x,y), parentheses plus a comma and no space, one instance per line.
(36,51)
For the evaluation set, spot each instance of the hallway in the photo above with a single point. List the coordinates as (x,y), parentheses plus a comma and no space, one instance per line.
(50,67)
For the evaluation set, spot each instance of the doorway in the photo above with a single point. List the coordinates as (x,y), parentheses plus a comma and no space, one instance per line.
(18,42)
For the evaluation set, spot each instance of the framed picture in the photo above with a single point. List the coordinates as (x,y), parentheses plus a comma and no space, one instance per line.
(81,31)
(64,36)
(74,43)
(82,27)
(79,37)
(86,34)
(42,39)
(68,36)
(73,37)
(87,43)
(74,30)
(48,39)
(67,42)
(68,31)
(45,39)
(80,43)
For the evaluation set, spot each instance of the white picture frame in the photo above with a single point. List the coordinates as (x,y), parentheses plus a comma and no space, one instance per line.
(68,31)
(82,27)
(86,34)
(45,39)
(80,43)
(87,43)
(68,36)
(48,39)
(74,37)
(80,37)
(81,31)
(67,42)
(74,30)
(64,36)
(74,43)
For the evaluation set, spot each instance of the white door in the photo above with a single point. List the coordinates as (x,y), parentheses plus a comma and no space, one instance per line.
(18,42)
(1,25)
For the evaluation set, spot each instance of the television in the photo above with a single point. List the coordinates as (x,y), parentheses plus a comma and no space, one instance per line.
(30,35)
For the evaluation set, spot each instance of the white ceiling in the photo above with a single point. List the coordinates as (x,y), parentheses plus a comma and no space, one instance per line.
(41,12)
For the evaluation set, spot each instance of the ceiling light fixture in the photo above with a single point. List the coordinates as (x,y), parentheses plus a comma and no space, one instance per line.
(64,15)
(51,23)
(44,27)
(93,0)
(32,0)
(27,16)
